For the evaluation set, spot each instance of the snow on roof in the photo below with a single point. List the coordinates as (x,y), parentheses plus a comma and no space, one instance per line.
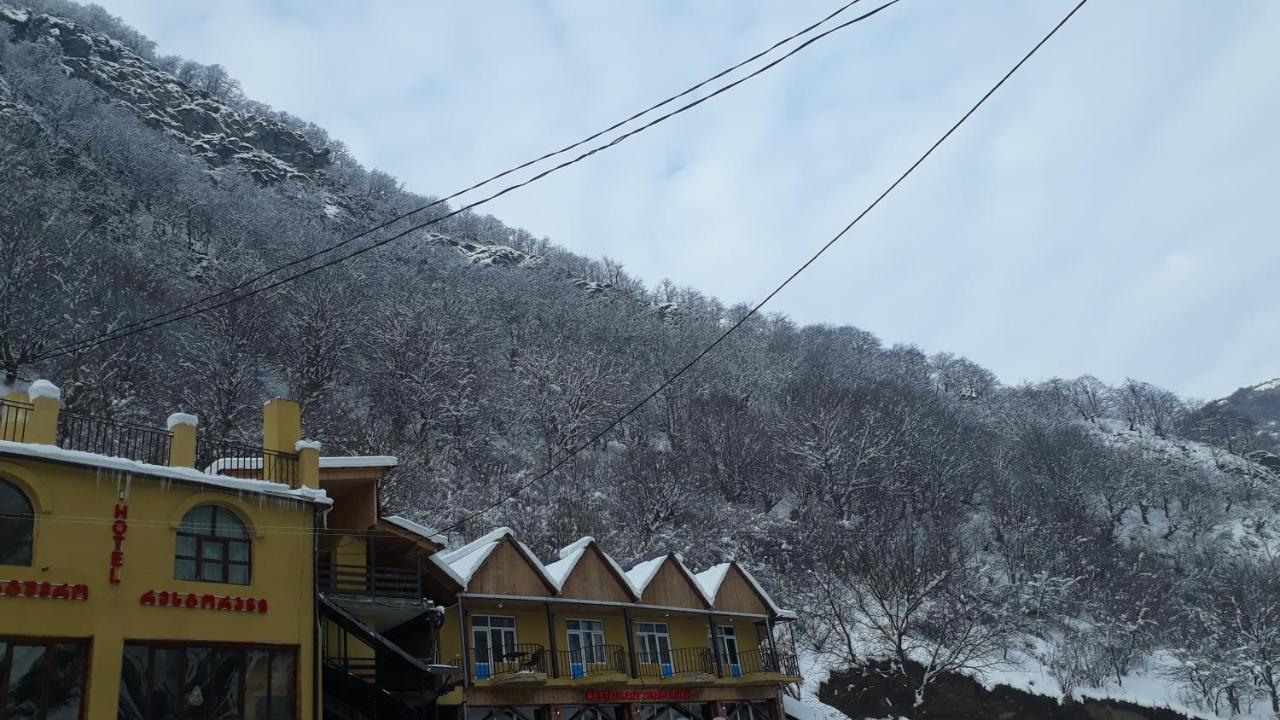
(711,578)
(768,600)
(405,523)
(560,570)
(164,472)
(641,575)
(339,461)
(491,537)
(469,558)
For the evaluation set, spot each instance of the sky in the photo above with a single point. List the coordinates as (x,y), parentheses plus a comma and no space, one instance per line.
(1111,211)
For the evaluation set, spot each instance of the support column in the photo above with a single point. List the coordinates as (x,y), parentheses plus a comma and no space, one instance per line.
(632,663)
(551,636)
(466,651)
(715,644)
(46,400)
(308,464)
(182,446)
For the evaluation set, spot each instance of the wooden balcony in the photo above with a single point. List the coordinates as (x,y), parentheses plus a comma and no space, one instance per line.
(369,581)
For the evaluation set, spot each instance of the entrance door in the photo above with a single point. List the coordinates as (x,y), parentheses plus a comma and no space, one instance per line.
(728,637)
(493,638)
(586,645)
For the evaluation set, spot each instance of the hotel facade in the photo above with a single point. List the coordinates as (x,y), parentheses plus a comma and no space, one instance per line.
(152,573)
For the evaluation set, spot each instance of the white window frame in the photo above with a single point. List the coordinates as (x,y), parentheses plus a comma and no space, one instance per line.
(589,653)
(488,630)
(662,654)
(730,660)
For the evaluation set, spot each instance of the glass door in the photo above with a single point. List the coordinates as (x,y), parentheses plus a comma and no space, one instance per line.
(728,639)
(586,645)
(654,642)
(493,638)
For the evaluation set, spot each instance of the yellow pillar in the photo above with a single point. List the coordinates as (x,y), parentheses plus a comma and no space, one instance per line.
(182,447)
(308,464)
(281,425)
(42,426)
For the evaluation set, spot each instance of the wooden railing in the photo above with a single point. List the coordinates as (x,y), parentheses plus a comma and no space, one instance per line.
(591,661)
(13,420)
(372,581)
(114,438)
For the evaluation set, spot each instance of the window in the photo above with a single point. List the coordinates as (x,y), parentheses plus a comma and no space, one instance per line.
(728,647)
(493,637)
(41,680)
(213,546)
(586,642)
(654,643)
(17,525)
(208,683)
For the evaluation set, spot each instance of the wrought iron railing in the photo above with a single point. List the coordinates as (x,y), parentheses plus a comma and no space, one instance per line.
(591,661)
(681,661)
(246,461)
(13,420)
(104,436)
(372,581)
(507,661)
(764,660)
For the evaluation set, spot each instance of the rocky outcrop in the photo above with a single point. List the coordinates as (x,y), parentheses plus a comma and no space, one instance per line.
(266,149)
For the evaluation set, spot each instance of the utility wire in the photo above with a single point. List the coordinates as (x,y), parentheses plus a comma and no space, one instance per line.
(721,338)
(161,319)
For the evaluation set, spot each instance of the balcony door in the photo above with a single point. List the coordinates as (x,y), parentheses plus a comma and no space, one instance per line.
(654,645)
(586,643)
(727,636)
(493,638)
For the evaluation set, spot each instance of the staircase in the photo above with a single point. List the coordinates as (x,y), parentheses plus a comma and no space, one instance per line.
(348,697)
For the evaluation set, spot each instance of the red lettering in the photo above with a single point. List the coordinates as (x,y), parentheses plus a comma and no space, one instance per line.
(251,605)
(117,559)
(80,592)
(164,598)
(192,600)
(62,592)
(262,605)
(113,575)
(224,603)
(207,602)
(117,543)
(13,588)
(119,528)
(239,604)
(148,598)
(30,588)
(122,512)
(45,589)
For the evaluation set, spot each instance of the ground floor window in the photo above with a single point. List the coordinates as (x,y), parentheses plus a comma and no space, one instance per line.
(42,679)
(223,682)
(592,712)
(748,710)
(531,712)
(674,711)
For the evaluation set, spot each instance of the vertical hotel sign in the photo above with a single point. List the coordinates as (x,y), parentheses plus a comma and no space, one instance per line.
(119,528)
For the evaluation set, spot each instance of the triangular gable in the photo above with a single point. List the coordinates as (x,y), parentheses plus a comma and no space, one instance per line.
(737,592)
(588,573)
(672,585)
(509,568)
(419,535)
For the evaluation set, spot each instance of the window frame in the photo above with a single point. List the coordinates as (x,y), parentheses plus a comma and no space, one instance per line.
(594,651)
(6,657)
(27,516)
(488,630)
(210,538)
(243,649)
(664,655)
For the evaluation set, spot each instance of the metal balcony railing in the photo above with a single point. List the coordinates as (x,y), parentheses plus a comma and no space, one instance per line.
(591,661)
(371,580)
(507,661)
(246,461)
(764,660)
(115,438)
(670,663)
(13,420)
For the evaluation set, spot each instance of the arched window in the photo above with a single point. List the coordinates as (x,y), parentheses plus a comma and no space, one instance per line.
(17,525)
(213,546)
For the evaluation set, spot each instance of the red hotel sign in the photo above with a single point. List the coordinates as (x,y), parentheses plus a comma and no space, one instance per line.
(42,590)
(192,601)
(119,527)
(641,696)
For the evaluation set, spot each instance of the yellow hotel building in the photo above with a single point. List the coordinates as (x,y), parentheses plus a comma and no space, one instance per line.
(151,573)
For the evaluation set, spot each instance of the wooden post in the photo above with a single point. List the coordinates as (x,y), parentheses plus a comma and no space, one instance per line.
(715,644)
(466,651)
(773,646)
(551,635)
(632,664)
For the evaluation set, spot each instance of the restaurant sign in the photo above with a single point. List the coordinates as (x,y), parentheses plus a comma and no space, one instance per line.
(43,590)
(192,601)
(639,696)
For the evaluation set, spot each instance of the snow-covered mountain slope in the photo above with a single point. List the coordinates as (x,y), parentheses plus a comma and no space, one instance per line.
(1260,404)
(214,131)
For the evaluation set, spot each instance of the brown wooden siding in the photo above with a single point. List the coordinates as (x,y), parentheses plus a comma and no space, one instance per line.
(672,588)
(737,595)
(507,572)
(592,579)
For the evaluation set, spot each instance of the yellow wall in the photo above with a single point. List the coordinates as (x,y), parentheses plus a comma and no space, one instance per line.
(73,543)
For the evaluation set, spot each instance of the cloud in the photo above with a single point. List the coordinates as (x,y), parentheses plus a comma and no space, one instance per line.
(1109,212)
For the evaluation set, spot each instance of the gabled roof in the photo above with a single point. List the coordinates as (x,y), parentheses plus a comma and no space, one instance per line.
(644,573)
(420,530)
(468,559)
(713,577)
(569,555)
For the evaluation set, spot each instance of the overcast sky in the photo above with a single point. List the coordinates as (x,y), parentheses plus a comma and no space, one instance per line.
(1112,211)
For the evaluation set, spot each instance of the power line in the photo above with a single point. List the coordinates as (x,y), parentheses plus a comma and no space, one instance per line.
(164,318)
(707,350)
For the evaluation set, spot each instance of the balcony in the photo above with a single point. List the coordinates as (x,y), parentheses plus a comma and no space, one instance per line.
(691,665)
(764,663)
(14,416)
(520,664)
(226,457)
(114,438)
(596,665)
(368,581)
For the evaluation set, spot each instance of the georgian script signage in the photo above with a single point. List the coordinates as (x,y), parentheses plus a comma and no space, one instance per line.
(42,590)
(119,527)
(192,601)
(640,696)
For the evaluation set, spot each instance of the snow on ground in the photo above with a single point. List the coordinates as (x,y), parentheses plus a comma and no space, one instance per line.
(815,671)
